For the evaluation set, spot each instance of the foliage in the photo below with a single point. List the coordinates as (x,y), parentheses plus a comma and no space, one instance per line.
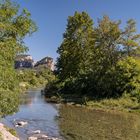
(11,130)
(1,138)
(119,79)
(35,78)
(130,39)
(46,73)
(14,26)
(99,62)
(74,50)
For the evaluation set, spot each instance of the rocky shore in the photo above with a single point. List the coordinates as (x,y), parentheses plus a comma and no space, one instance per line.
(35,135)
(5,135)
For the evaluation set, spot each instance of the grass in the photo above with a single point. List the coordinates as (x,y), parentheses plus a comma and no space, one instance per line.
(1,136)
(11,130)
(121,104)
(124,103)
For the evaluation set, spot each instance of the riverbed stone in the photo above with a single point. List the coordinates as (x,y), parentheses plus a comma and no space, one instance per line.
(32,138)
(42,137)
(36,132)
(21,123)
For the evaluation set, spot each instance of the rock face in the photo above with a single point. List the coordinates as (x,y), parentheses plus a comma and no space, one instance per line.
(24,61)
(5,135)
(46,62)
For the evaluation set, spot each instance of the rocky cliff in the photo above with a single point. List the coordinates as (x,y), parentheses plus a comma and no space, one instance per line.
(24,61)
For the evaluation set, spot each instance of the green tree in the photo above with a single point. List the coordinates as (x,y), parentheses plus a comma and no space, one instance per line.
(75,49)
(95,58)
(14,26)
(107,37)
(130,39)
(108,78)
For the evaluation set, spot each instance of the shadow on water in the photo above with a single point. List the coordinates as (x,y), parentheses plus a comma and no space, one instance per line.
(39,114)
(84,124)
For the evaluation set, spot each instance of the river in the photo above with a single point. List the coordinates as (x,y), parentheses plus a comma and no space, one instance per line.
(39,115)
(71,122)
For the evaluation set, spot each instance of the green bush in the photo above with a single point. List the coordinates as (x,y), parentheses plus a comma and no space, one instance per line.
(9,101)
(35,78)
(114,82)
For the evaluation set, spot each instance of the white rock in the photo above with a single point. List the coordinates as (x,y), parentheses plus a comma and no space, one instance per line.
(36,132)
(32,138)
(21,124)
(44,136)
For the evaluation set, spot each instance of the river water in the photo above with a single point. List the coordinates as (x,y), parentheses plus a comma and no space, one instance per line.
(39,115)
(79,123)
(73,123)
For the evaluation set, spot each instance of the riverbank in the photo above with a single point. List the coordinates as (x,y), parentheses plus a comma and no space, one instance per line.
(5,133)
(125,103)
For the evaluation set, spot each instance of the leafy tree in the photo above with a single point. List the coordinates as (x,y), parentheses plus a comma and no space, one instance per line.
(108,38)
(75,49)
(96,61)
(108,77)
(130,39)
(14,26)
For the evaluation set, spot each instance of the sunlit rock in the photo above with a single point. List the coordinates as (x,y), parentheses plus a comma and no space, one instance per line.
(20,123)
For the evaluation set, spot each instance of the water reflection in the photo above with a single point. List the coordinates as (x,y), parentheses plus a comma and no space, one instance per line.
(38,113)
(84,124)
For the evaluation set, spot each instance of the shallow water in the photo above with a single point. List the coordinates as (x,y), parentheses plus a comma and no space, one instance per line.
(78,123)
(39,114)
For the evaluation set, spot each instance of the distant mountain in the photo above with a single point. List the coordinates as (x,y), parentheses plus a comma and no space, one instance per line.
(46,62)
(24,61)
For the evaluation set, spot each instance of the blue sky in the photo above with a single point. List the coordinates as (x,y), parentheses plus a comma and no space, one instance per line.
(51,19)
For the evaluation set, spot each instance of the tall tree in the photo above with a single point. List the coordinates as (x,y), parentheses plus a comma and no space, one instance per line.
(130,39)
(74,50)
(107,36)
(108,78)
(14,26)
